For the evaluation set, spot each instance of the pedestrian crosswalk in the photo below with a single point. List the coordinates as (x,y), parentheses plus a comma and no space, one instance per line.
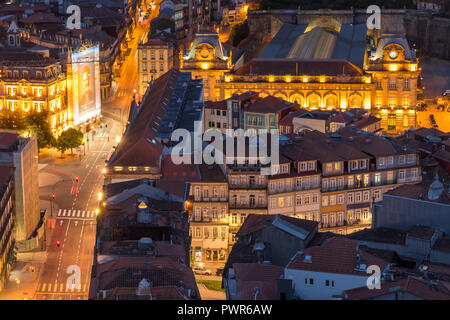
(83,214)
(61,287)
(103,134)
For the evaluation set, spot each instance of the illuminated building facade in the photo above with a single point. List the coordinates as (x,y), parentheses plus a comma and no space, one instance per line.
(31,82)
(208,60)
(326,65)
(83,71)
(155,58)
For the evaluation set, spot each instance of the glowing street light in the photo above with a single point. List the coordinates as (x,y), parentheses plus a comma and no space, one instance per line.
(118,139)
(104,170)
(100,196)
(97,211)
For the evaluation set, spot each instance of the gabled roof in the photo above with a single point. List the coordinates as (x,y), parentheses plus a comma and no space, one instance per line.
(139,146)
(269,104)
(299,228)
(251,275)
(314,42)
(420,288)
(335,255)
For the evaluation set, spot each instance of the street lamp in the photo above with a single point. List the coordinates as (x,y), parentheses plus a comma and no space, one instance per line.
(118,139)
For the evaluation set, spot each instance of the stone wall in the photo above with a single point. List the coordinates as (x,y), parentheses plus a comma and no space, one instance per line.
(429,33)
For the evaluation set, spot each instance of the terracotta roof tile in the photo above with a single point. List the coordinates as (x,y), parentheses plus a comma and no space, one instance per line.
(423,289)
(335,255)
(256,222)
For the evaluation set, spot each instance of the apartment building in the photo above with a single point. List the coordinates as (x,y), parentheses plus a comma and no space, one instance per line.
(295,191)
(209,222)
(155,58)
(22,155)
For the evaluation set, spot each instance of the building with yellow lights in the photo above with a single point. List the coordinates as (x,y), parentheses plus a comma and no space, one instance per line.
(330,65)
(155,58)
(31,82)
(207,59)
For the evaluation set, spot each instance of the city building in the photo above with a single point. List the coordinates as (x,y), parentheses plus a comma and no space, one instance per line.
(325,272)
(142,247)
(425,204)
(22,154)
(172,101)
(155,58)
(344,172)
(207,59)
(209,219)
(419,243)
(269,241)
(246,111)
(7,212)
(325,65)
(253,281)
(31,82)
(327,121)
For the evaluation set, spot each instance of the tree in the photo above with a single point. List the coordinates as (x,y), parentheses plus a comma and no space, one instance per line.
(62,144)
(33,122)
(38,122)
(72,138)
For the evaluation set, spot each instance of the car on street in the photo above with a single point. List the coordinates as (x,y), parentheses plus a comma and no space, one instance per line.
(201,271)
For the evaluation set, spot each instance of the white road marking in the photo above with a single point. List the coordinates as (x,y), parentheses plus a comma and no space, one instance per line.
(82,215)
(59,212)
(64,213)
(44,285)
(49,287)
(78,213)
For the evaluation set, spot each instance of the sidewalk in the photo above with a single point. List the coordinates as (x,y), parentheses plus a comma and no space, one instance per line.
(22,283)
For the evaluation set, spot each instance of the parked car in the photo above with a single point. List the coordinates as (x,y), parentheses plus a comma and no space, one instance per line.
(201,271)
(219,271)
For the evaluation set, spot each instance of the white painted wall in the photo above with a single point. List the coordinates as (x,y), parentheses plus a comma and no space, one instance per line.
(319,291)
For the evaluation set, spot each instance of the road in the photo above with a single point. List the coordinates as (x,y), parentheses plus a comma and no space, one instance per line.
(74,218)
(117,107)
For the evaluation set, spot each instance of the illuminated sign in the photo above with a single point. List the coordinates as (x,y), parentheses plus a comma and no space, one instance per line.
(86,84)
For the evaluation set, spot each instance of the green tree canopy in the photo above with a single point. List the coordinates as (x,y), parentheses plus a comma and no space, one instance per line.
(33,122)
(70,138)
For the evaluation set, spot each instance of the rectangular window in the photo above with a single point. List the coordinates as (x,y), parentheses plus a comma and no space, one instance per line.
(350,181)
(299,200)
(332,200)
(324,201)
